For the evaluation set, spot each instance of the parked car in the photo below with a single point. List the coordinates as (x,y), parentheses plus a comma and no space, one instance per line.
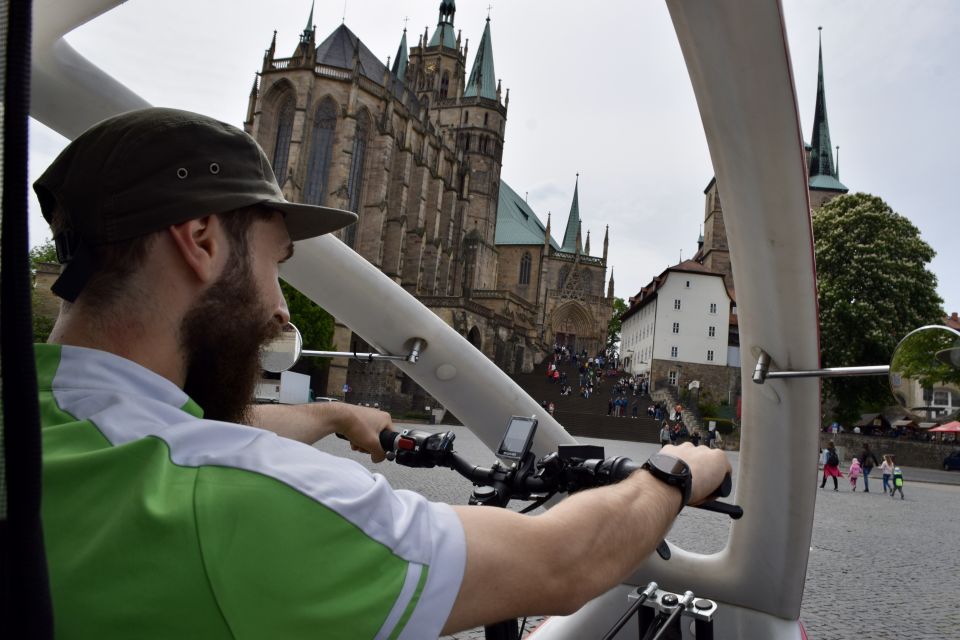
(952,461)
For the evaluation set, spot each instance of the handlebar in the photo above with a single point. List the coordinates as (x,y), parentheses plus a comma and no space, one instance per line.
(550,474)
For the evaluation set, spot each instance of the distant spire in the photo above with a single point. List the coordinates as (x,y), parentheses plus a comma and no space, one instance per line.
(309,26)
(400,62)
(483,80)
(570,240)
(546,233)
(821,154)
(610,288)
(606,245)
(444,34)
(586,247)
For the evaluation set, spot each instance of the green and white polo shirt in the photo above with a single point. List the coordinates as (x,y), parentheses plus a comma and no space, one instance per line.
(160,524)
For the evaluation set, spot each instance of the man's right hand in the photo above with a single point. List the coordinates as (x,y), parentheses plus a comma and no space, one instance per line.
(707,466)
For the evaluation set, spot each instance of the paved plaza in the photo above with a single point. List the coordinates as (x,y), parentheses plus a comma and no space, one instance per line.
(879,567)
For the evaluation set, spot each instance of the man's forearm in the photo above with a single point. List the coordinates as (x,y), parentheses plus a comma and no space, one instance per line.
(302,422)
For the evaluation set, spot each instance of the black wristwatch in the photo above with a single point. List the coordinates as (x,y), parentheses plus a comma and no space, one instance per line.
(674,471)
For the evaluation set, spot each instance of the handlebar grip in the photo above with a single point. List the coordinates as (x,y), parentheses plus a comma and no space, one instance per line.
(725,487)
(388,440)
(732,510)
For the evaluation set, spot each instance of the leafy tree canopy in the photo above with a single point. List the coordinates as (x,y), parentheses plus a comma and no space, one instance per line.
(615,324)
(874,288)
(316,327)
(45,252)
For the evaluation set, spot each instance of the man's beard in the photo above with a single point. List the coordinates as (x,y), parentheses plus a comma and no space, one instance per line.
(221,337)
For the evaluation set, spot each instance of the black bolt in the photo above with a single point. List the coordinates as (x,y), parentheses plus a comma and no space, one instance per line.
(702,604)
(670,600)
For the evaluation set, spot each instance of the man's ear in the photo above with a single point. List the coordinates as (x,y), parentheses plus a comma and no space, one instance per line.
(201,244)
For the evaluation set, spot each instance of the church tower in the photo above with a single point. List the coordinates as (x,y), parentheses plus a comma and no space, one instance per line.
(437,64)
(824,173)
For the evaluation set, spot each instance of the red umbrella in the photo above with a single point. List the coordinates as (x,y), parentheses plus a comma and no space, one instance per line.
(950,427)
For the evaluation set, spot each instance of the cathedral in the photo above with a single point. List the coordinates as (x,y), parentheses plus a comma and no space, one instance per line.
(415,147)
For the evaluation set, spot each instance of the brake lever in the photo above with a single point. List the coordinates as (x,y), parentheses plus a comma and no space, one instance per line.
(712,504)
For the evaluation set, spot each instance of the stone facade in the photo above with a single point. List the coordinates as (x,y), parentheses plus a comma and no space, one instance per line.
(910,453)
(416,149)
(718,383)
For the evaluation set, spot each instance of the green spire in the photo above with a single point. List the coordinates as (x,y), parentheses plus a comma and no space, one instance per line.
(483,80)
(570,243)
(400,62)
(309,26)
(444,34)
(821,154)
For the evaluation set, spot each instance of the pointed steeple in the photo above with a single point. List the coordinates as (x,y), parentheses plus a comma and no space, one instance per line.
(309,26)
(610,288)
(571,241)
(606,246)
(546,235)
(444,35)
(483,79)
(586,247)
(821,156)
(822,170)
(399,68)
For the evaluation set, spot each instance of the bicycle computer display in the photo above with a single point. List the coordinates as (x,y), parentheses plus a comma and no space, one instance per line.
(518,438)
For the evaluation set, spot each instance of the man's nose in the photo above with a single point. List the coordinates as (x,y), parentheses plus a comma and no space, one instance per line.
(282,313)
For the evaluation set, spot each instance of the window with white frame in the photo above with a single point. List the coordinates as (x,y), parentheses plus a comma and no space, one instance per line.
(712,332)
(676,304)
(713,307)
(672,377)
(710,355)
(676,327)
(673,352)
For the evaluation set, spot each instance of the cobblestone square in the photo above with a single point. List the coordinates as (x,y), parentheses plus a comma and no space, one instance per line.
(880,567)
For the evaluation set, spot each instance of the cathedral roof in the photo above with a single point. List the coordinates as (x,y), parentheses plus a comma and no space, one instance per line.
(401,59)
(444,35)
(573,222)
(516,221)
(483,79)
(337,51)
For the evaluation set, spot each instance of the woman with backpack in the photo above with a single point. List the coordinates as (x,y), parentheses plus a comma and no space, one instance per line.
(831,466)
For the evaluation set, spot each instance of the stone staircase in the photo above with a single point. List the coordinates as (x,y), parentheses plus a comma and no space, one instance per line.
(690,417)
(588,416)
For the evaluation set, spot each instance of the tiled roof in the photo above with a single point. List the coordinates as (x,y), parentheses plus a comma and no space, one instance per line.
(516,221)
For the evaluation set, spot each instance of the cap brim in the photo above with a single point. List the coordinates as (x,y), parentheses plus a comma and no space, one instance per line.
(307,220)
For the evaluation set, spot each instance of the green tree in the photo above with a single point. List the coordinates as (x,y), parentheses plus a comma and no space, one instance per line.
(616,323)
(874,288)
(316,327)
(42,325)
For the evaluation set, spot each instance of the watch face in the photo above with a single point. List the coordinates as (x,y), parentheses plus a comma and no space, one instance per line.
(669,464)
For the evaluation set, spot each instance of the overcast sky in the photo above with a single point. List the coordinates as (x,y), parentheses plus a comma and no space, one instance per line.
(599,89)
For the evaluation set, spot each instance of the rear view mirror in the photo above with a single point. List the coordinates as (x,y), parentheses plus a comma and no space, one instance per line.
(925,373)
(281,354)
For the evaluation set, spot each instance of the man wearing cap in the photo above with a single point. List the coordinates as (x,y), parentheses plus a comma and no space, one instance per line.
(172,508)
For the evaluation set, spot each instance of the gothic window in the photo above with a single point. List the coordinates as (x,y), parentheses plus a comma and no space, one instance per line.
(486,119)
(281,150)
(468,142)
(321,152)
(355,179)
(562,278)
(444,84)
(466,117)
(525,262)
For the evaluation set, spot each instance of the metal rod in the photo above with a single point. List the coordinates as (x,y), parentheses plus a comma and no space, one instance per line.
(353,354)
(832,372)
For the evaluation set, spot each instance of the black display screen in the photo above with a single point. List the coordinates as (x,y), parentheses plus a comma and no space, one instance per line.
(518,437)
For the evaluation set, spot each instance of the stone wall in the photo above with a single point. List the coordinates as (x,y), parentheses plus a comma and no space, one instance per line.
(910,453)
(717,382)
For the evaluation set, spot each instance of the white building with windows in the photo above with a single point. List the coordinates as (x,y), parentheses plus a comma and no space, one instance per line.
(682,328)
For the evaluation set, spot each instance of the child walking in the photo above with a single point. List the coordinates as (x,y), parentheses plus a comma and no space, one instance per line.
(886,468)
(855,470)
(897,482)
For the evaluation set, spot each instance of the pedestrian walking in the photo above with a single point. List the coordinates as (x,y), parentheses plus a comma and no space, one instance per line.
(897,482)
(831,466)
(636,408)
(868,461)
(664,434)
(886,469)
(855,470)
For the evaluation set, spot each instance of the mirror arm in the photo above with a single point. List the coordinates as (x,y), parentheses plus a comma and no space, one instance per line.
(412,357)
(762,371)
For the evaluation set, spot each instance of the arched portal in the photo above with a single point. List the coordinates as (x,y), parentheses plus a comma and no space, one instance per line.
(572,325)
(473,336)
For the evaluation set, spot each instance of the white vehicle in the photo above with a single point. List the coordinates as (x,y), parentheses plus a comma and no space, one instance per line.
(752,128)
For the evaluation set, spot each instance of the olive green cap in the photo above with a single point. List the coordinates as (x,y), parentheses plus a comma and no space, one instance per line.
(145,170)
